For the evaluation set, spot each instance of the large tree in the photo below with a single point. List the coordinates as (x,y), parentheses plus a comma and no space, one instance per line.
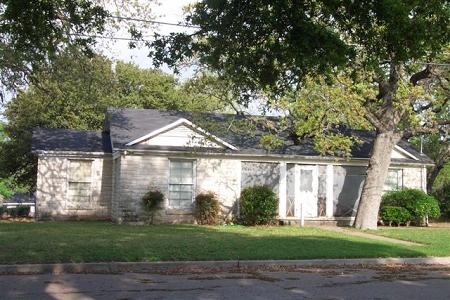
(33,32)
(74,92)
(272,45)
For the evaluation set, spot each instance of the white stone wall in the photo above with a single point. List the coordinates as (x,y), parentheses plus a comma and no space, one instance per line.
(52,184)
(414,177)
(221,176)
(140,173)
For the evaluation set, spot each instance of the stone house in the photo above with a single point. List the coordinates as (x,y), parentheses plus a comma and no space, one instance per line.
(103,175)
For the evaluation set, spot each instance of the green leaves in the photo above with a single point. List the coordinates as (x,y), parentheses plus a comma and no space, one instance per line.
(74,92)
(417,202)
(32,33)
(322,106)
(258,44)
(273,45)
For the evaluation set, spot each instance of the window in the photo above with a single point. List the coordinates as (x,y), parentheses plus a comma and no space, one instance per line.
(79,193)
(181,183)
(394,180)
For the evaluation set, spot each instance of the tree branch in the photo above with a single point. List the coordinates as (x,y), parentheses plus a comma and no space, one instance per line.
(419,130)
(372,118)
(424,74)
(443,122)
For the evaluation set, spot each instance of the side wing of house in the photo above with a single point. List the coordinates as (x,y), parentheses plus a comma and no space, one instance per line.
(74,174)
(73,186)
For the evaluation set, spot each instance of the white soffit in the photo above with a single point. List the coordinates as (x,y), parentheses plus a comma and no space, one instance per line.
(399,152)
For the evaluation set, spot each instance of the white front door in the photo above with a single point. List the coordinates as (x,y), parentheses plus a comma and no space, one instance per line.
(306,190)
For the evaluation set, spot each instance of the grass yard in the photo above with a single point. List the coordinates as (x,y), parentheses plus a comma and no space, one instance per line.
(436,240)
(100,242)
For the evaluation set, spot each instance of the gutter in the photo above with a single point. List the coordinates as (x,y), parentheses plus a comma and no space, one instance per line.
(45,153)
(265,157)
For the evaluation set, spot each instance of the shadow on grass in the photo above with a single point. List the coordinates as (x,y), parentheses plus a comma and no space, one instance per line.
(56,242)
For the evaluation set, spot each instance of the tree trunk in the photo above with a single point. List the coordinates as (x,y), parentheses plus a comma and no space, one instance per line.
(439,163)
(434,172)
(369,204)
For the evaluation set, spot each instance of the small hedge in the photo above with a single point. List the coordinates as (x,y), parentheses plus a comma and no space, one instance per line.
(419,204)
(151,201)
(207,209)
(258,206)
(20,211)
(395,215)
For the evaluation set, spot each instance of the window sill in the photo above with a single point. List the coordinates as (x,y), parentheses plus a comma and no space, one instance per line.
(179,211)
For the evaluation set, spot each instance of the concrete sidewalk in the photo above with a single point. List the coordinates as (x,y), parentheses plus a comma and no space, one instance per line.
(210,266)
(370,236)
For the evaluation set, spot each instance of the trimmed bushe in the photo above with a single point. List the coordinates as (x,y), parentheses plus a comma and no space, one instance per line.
(408,205)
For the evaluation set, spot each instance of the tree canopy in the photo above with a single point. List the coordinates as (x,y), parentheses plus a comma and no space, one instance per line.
(274,44)
(33,32)
(74,92)
(388,49)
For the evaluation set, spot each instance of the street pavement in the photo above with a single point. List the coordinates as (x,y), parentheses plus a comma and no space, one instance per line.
(363,282)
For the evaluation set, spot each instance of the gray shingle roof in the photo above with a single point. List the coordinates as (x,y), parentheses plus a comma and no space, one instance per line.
(47,139)
(126,125)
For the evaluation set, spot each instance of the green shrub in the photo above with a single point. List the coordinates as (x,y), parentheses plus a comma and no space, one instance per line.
(5,188)
(426,207)
(258,205)
(151,201)
(443,196)
(23,211)
(395,215)
(419,204)
(12,212)
(403,198)
(207,209)
(20,211)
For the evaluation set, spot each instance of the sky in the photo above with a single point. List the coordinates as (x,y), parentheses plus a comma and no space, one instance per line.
(167,11)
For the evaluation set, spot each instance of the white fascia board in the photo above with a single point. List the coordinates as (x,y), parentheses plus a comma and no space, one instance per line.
(403,151)
(275,158)
(71,153)
(175,124)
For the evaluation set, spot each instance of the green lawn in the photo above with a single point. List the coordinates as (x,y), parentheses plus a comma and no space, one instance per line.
(100,242)
(436,240)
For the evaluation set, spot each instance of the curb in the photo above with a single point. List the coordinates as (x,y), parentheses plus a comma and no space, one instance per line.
(213,266)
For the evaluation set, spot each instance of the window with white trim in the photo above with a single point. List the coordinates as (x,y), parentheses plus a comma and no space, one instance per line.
(80,179)
(181,183)
(394,180)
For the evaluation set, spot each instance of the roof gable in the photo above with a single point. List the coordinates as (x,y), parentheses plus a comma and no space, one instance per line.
(182,133)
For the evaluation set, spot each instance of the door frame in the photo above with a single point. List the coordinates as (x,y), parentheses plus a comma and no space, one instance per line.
(299,201)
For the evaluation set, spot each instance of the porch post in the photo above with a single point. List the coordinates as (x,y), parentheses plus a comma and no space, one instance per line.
(329,184)
(282,190)
(297,191)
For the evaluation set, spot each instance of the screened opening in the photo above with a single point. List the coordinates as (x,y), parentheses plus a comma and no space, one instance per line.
(79,191)
(181,183)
